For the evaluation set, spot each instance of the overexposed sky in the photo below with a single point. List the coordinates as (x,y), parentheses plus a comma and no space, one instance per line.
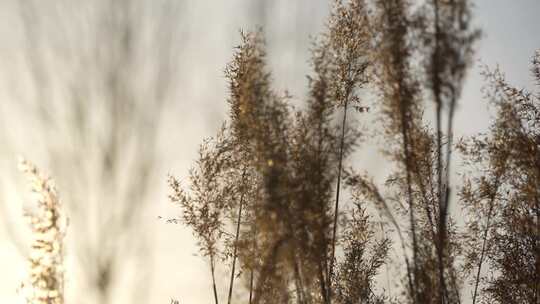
(210,31)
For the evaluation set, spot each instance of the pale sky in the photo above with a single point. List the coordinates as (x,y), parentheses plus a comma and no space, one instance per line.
(510,37)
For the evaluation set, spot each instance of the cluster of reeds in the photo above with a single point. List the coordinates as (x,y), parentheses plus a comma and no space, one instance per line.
(502,195)
(285,168)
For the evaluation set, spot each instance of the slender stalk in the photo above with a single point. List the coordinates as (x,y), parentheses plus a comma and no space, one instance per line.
(393,221)
(322,285)
(298,281)
(446,194)
(336,210)
(537,255)
(385,264)
(405,133)
(482,254)
(251,274)
(268,263)
(250,286)
(296,267)
(212,269)
(231,284)
(484,240)
(436,82)
(536,248)
(442,206)
(407,263)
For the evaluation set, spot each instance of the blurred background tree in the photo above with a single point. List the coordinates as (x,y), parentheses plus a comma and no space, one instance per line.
(100,76)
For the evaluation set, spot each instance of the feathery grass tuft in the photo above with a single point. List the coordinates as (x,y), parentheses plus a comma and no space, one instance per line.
(46,282)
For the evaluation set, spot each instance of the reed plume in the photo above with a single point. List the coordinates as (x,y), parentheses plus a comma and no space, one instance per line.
(46,262)
(502,198)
